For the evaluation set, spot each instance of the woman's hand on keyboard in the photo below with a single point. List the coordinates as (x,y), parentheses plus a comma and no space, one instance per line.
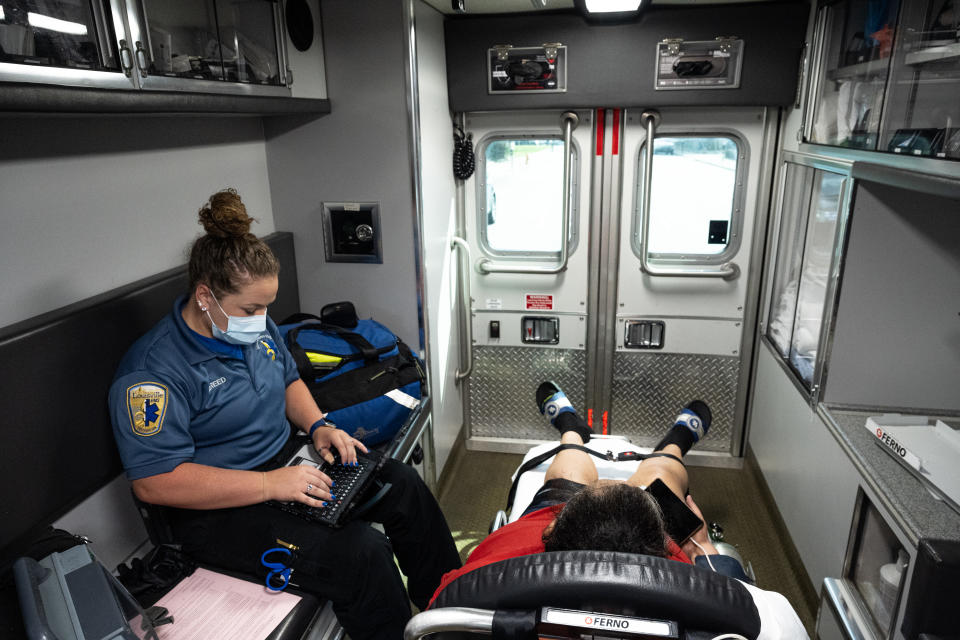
(326,440)
(300,483)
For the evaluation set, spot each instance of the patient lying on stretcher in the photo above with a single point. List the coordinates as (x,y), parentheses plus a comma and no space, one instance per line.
(575,510)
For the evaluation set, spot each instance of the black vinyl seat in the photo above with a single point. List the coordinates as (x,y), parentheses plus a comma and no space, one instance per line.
(506,599)
(56,370)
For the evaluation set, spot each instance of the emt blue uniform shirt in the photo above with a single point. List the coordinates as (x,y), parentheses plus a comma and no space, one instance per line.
(180,397)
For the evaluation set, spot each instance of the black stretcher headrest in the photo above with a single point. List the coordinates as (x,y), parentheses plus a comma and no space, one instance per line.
(610,582)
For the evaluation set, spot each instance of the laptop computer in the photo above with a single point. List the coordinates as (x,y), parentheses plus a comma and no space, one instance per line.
(351,485)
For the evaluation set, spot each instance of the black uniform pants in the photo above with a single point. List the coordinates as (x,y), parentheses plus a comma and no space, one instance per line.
(352,566)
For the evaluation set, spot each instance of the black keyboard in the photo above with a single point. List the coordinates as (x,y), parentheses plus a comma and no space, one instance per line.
(350,485)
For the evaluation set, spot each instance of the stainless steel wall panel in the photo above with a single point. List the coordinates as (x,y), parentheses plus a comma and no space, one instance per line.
(649,389)
(503,383)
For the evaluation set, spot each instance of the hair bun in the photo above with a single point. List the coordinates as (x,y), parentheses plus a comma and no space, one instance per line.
(225,215)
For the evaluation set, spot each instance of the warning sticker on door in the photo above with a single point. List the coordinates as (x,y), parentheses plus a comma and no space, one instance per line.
(539,302)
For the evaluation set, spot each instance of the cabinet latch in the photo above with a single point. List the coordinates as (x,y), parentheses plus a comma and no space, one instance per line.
(673,45)
(503,51)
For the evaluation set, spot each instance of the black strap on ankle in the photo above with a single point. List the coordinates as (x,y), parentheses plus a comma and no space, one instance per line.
(609,456)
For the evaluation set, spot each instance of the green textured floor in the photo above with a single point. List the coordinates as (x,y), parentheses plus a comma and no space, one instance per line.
(476,483)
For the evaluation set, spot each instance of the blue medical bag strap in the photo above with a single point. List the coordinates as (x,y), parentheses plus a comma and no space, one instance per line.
(370,353)
(367,350)
(304,366)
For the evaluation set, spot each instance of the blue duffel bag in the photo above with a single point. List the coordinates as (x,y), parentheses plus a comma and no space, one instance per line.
(360,373)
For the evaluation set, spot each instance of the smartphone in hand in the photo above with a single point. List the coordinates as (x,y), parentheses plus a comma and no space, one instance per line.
(680,521)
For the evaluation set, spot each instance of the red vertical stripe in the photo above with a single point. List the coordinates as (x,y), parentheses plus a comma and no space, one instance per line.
(606,416)
(615,142)
(601,125)
(590,418)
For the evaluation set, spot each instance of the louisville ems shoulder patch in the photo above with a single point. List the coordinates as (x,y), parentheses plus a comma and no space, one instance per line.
(147,405)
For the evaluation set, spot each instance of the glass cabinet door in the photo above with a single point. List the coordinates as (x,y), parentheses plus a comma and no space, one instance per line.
(878,567)
(923,99)
(815,273)
(810,211)
(855,49)
(248,41)
(209,45)
(798,183)
(182,39)
(72,35)
(215,46)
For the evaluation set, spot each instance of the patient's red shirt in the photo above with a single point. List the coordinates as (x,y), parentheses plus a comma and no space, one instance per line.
(521,538)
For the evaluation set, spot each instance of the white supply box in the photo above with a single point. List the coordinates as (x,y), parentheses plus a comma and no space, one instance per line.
(928,448)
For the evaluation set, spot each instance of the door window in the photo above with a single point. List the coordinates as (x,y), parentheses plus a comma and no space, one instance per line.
(520,196)
(695,213)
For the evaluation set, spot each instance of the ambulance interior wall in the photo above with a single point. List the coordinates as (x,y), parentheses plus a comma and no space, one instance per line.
(900,280)
(812,481)
(94,203)
(360,152)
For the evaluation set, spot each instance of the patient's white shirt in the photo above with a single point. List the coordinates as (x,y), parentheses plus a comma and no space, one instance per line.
(777,617)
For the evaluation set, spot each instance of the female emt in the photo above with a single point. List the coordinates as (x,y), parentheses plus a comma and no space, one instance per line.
(202,407)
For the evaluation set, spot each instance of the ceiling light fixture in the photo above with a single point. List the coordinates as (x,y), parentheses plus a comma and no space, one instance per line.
(608,6)
(611,10)
(41,21)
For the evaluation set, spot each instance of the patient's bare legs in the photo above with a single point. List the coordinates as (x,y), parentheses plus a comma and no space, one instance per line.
(572,464)
(578,466)
(669,471)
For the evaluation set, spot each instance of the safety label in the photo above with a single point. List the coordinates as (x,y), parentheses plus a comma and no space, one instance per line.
(539,302)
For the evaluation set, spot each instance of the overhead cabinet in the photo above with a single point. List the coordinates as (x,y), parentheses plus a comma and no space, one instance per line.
(887,77)
(71,43)
(207,43)
(202,46)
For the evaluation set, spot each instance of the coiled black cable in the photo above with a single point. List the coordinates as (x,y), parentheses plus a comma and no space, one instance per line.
(463,159)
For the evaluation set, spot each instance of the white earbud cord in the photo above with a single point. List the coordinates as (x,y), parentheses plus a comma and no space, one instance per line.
(705,555)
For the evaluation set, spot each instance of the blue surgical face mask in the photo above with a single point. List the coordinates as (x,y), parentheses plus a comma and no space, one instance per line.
(240,330)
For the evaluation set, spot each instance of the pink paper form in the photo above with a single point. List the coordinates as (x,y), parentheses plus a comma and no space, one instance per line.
(209,605)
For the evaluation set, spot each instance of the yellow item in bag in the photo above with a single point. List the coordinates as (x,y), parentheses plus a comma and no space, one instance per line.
(323,360)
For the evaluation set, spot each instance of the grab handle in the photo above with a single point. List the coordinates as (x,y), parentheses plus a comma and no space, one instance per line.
(464,277)
(570,121)
(727,271)
(449,619)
